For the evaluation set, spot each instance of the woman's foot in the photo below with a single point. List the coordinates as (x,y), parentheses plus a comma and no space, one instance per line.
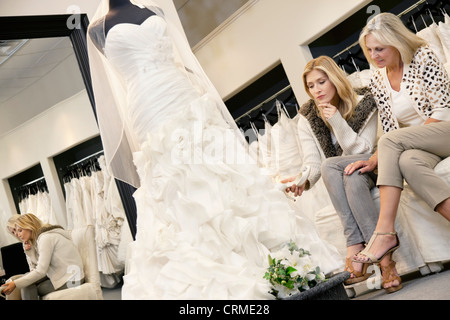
(358,271)
(381,244)
(391,279)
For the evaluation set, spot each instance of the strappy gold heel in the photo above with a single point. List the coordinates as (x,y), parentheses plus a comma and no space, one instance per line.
(372,258)
(359,275)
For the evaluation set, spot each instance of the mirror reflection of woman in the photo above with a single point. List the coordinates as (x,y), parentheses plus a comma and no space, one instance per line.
(58,258)
(30,254)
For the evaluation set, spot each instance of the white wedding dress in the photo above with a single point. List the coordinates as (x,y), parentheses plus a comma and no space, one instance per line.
(205,227)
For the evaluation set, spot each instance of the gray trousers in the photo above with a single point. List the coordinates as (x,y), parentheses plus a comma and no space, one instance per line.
(37,289)
(351,197)
(411,154)
(41,288)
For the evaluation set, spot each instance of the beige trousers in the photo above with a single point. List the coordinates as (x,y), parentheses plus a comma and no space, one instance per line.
(411,154)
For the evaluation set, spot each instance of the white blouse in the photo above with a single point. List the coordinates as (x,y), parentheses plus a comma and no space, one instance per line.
(402,106)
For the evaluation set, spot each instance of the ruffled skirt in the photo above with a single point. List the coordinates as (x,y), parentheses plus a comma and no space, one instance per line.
(207,217)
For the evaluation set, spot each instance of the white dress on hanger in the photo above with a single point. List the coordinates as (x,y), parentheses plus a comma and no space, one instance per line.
(430,34)
(68,189)
(443,31)
(287,153)
(267,151)
(205,227)
(76,204)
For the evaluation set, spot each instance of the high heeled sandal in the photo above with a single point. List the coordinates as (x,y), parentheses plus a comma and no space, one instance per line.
(388,275)
(359,276)
(372,258)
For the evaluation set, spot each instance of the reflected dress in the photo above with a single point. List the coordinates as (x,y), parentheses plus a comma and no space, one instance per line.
(205,223)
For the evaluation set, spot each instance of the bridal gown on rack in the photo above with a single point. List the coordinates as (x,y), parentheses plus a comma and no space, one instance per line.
(204,227)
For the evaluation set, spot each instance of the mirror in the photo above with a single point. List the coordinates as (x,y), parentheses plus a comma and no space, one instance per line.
(35,74)
(45,61)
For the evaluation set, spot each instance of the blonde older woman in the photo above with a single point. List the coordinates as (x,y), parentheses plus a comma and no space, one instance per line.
(411,88)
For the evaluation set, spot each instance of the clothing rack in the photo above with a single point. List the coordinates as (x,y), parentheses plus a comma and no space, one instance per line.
(263,103)
(30,183)
(82,167)
(92,156)
(32,187)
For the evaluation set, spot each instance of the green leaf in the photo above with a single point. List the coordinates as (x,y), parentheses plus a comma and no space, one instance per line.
(289,270)
(281,272)
(289,284)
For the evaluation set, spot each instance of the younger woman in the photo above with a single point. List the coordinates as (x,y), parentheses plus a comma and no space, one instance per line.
(336,121)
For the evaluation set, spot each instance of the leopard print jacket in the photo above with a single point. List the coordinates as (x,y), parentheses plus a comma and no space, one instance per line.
(426,82)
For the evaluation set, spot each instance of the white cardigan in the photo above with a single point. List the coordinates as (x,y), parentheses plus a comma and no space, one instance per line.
(59,260)
(351,142)
(427,83)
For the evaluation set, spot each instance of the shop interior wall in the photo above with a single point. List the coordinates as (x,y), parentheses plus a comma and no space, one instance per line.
(266,33)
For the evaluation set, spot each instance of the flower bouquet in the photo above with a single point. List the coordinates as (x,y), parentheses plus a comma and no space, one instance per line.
(291,271)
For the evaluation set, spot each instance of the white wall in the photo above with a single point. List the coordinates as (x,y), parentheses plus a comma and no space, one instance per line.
(269,32)
(56,130)
(46,7)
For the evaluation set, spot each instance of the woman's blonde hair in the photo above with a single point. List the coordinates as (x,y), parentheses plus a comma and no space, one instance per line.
(30,222)
(11,224)
(347,96)
(389,30)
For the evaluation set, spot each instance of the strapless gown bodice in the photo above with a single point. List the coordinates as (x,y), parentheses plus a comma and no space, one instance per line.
(136,49)
(144,57)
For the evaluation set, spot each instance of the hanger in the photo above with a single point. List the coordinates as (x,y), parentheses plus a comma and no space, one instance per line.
(341,63)
(431,15)
(413,23)
(353,62)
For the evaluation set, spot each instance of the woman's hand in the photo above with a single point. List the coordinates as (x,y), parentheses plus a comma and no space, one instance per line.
(10,286)
(431,120)
(27,245)
(296,190)
(328,110)
(364,166)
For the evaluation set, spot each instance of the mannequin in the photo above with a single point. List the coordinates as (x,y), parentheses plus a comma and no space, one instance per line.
(123,11)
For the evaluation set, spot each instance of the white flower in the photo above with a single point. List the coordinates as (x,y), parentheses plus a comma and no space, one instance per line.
(283,292)
(291,270)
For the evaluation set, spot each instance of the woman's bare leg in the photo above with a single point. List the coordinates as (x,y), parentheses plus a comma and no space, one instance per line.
(389,201)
